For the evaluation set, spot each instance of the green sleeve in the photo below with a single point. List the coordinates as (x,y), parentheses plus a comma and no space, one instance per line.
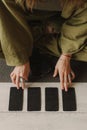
(15,35)
(74,32)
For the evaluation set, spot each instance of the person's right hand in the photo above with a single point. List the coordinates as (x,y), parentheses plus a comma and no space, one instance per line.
(20,71)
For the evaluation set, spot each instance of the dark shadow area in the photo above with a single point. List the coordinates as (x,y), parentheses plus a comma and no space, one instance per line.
(42,67)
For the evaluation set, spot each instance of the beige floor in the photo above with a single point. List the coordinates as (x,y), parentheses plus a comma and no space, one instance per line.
(44,120)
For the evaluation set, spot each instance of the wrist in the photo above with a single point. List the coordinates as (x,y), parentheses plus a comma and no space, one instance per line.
(67,55)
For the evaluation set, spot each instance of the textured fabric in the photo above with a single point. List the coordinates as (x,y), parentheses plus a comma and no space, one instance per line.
(17,35)
(74,32)
(48,5)
(13,26)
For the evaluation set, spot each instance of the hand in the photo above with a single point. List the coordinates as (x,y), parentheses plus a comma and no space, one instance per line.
(65,72)
(20,71)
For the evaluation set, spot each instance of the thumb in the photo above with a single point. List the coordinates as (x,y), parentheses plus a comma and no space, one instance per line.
(73,75)
(55,72)
(24,76)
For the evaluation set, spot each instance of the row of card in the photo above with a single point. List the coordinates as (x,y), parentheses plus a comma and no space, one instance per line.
(34,99)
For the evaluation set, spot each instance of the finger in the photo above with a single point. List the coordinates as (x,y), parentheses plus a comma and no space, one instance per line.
(65,82)
(17,81)
(69,79)
(11,74)
(55,72)
(23,84)
(73,75)
(61,75)
(23,78)
(13,78)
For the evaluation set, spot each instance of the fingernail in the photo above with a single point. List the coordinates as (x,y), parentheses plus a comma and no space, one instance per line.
(66,90)
(53,75)
(62,88)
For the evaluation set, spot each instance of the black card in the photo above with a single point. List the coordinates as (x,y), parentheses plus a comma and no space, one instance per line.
(51,99)
(34,99)
(16,99)
(69,100)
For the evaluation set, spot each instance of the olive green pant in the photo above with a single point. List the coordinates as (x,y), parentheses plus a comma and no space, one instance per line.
(21,30)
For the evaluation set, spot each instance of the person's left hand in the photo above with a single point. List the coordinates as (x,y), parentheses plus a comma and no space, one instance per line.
(65,72)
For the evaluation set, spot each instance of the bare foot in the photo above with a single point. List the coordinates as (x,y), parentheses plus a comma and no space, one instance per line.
(20,71)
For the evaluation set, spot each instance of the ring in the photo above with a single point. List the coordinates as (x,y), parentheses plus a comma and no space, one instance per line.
(22,80)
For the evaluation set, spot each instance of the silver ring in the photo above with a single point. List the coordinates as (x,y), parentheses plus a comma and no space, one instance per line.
(22,80)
